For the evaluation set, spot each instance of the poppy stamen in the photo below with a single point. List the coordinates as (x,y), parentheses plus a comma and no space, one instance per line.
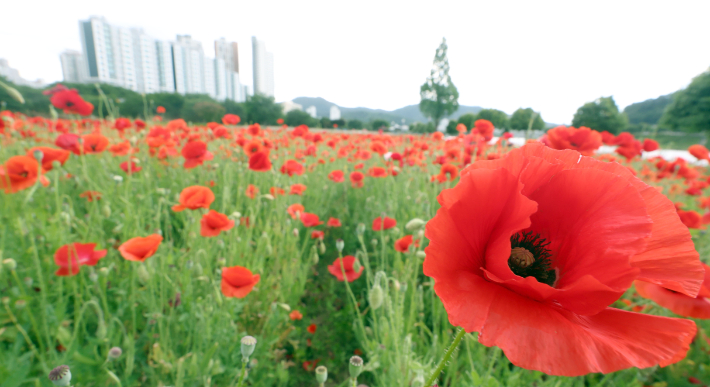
(529,257)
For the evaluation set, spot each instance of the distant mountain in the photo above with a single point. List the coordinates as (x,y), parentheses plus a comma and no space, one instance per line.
(648,111)
(409,113)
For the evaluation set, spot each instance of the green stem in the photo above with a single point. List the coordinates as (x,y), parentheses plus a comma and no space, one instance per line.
(447,356)
(241,376)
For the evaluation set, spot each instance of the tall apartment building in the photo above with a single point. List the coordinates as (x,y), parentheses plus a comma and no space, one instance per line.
(228,54)
(73,66)
(263,68)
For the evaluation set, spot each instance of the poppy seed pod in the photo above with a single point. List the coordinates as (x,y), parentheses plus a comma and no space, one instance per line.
(20,304)
(248,345)
(60,376)
(104,271)
(38,155)
(421,254)
(360,230)
(93,276)
(28,281)
(321,374)
(415,224)
(339,245)
(376,297)
(355,367)
(357,266)
(9,263)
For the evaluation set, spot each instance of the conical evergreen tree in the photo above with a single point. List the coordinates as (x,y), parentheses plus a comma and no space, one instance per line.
(439,95)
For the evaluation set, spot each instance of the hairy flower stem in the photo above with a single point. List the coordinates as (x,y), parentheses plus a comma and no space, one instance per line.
(241,375)
(352,295)
(445,359)
(27,338)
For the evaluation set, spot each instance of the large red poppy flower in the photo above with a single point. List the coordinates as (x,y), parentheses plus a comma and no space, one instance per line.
(295,210)
(238,281)
(650,145)
(260,162)
(347,263)
(20,172)
(699,151)
(336,176)
(292,167)
(139,248)
(485,128)
(94,143)
(583,140)
(678,303)
(49,156)
(386,223)
(194,197)
(297,189)
(530,249)
(310,220)
(402,244)
(357,179)
(213,222)
(195,153)
(71,102)
(70,142)
(231,119)
(70,257)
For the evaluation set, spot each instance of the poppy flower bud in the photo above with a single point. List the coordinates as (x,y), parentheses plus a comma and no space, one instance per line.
(357,266)
(162,191)
(38,155)
(314,255)
(339,245)
(321,374)
(418,380)
(235,215)
(295,232)
(114,353)
(106,210)
(248,345)
(415,225)
(104,271)
(421,254)
(374,242)
(143,274)
(101,329)
(376,297)
(268,196)
(360,230)
(118,179)
(355,367)
(28,281)
(93,276)
(396,284)
(60,376)
(66,218)
(321,247)
(56,164)
(9,263)
(396,232)
(285,307)
(20,304)
(5,300)
(12,92)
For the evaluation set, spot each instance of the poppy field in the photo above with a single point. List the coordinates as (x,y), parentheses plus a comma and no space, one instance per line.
(161,253)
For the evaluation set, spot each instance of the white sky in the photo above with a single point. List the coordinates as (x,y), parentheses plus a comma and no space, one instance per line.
(552,56)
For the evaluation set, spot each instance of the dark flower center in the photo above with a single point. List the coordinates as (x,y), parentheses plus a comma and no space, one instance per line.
(529,257)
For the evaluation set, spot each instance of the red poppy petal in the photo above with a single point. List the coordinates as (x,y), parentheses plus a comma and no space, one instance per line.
(678,303)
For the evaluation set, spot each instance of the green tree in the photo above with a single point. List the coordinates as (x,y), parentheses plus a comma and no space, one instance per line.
(299,117)
(648,111)
(203,111)
(262,109)
(601,115)
(379,124)
(172,102)
(497,117)
(355,124)
(451,127)
(439,96)
(521,119)
(233,107)
(419,127)
(690,109)
(468,119)
(325,123)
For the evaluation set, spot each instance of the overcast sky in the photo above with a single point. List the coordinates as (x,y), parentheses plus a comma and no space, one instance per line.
(552,56)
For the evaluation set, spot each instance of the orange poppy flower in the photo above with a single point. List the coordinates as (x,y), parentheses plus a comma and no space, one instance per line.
(194,197)
(292,167)
(312,330)
(120,149)
(317,234)
(295,315)
(297,189)
(251,191)
(295,210)
(402,244)
(333,222)
(231,119)
(252,147)
(213,222)
(160,110)
(70,257)
(20,172)
(700,152)
(584,140)
(90,195)
(238,281)
(276,191)
(140,248)
(49,156)
(484,128)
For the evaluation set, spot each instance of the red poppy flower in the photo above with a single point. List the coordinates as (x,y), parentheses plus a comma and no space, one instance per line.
(608,138)
(238,281)
(130,167)
(69,141)
(160,110)
(70,257)
(691,219)
(346,262)
(139,248)
(20,172)
(56,89)
(297,189)
(356,179)
(317,234)
(337,176)
(333,222)
(260,162)
(378,224)
(94,143)
(484,128)
(194,197)
(650,145)
(120,149)
(310,365)
(122,124)
(49,156)
(251,191)
(312,329)
(530,250)
(213,222)
(295,315)
(195,153)
(678,303)
(292,167)
(310,220)
(71,102)
(90,195)
(461,128)
(295,210)
(377,172)
(448,172)
(630,149)
(700,152)
(583,140)
(280,121)
(231,119)
(275,191)
(402,244)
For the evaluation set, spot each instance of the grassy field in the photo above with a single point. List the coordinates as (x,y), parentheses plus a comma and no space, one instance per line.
(169,314)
